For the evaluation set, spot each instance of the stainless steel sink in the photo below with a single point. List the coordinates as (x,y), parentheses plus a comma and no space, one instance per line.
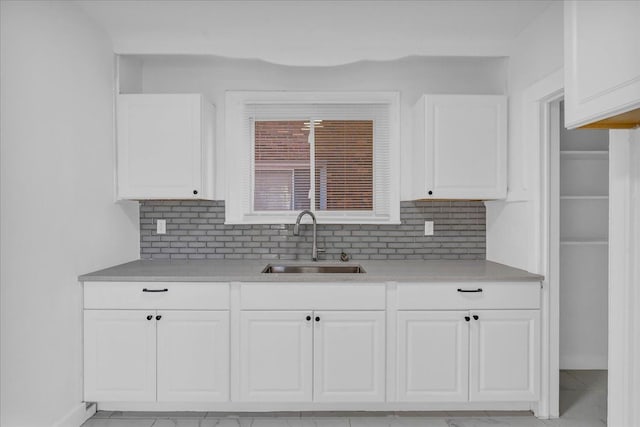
(313,269)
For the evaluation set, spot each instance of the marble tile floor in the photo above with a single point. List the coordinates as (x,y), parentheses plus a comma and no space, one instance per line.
(583,403)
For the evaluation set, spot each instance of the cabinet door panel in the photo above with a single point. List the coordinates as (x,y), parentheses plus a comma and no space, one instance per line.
(602,59)
(159,147)
(504,355)
(465,146)
(349,356)
(119,356)
(275,356)
(193,356)
(433,356)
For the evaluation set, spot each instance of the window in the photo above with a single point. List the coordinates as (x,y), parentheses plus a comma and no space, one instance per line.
(334,154)
(282,158)
(340,150)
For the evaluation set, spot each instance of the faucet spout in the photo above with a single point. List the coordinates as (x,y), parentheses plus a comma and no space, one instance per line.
(296,232)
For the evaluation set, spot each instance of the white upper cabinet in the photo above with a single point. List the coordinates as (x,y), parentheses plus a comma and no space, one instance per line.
(602,60)
(164,146)
(460,146)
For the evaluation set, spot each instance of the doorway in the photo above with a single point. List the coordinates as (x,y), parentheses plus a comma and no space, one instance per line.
(583,234)
(579,199)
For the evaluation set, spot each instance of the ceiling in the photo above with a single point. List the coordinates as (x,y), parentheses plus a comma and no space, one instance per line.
(314,32)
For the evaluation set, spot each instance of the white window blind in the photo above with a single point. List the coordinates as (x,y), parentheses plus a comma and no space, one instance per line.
(339,144)
(334,158)
(281,147)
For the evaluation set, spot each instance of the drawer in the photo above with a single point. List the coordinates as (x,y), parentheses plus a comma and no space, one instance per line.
(141,295)
(312,296)
(446,296)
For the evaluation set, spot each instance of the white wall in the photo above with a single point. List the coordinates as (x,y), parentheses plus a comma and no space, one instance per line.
(512,225)
(411,76)
(58,216)
(315,32)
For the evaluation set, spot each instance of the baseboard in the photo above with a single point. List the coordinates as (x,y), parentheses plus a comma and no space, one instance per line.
(311,406)
(77,416)
(583,362)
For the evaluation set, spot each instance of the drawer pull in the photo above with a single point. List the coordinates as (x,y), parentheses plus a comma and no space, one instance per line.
(469,290)
(155,290)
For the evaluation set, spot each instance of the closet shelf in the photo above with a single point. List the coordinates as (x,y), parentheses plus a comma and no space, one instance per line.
(586,153)
(584,242)
(584,197)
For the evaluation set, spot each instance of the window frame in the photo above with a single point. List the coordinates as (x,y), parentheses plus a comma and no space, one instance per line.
(239,153)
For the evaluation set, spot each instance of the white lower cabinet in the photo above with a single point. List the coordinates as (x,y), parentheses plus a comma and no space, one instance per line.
(167,346)
(119,355)
(433,356)
(482,355)
(305,356)
(276,356)
(149,355)
(504,348)
(349,362)
(193,356)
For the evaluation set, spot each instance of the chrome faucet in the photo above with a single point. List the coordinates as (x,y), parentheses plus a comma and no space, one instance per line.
(296,232)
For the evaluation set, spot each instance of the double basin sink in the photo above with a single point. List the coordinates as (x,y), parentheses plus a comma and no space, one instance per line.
(313,269)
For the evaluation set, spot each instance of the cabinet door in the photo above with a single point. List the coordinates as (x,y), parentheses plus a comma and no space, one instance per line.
(602,59)
(465,146)
(193,356)
(504,355)
(349,356)
(433,356)
(159,146)
(275,356)
(119,355)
